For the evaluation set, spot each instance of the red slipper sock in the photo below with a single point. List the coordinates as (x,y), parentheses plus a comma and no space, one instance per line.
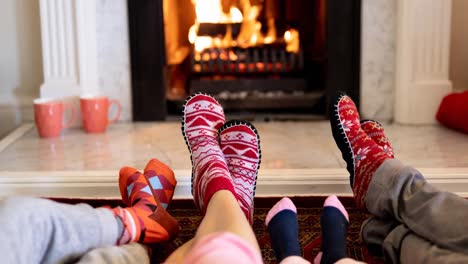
(376,131)
(240,143)
(145,221)
(202,117)
(362,155)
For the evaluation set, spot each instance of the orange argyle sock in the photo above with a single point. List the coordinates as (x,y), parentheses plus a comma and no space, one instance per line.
(146,220)
(162,181)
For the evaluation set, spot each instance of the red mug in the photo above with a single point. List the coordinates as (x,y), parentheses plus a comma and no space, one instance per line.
(48,114)
(95,111)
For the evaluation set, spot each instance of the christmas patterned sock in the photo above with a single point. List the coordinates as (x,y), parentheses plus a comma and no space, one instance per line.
(162,181)
(375,131)
(145,220)
(334,222)
(202,117)
(240,143)
(283,228)
(362,155)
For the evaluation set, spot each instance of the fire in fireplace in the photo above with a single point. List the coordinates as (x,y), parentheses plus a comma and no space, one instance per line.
(246,53)
(231,53)
(276,57)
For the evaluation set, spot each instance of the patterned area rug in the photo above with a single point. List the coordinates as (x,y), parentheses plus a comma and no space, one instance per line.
(309,210)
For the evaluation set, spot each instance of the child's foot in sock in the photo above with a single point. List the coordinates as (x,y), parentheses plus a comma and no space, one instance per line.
(145,221)
(376,131)
(282,225)
(362,155)
(162,181)
(202,117)
(334,222)
(240,143)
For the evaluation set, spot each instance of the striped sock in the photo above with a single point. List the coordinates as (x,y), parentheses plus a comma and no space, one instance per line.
(202,117)
(240,143)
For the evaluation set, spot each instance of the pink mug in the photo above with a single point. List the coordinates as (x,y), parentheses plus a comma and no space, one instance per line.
(48,114)
(95,111)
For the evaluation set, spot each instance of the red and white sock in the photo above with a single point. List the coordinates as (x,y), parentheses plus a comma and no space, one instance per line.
(240,144)
(202,118)
(376,131)
(362,155)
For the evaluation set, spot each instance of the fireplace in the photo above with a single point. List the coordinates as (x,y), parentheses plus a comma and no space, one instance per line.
(268,57)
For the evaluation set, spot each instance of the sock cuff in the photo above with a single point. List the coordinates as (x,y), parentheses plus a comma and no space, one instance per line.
(283,204)
(216,184)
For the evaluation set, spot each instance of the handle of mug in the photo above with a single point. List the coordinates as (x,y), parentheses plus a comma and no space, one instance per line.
(119,110)
(69,106)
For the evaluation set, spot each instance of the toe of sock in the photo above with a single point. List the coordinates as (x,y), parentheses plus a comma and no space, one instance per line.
(332,200)
(283,204)
(126,175)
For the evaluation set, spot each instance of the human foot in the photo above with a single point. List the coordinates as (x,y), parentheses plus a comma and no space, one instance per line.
(145,220)
(362,155)
(240,143)
(282,225)
(162,181)
(202,118)
(334,222)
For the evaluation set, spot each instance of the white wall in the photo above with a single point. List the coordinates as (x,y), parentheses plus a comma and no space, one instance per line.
(20,61)
(459,46)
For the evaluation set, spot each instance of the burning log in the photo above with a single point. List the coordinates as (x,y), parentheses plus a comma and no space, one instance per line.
(218,29)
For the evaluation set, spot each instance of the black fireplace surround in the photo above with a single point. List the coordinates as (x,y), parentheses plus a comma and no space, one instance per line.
(148,56)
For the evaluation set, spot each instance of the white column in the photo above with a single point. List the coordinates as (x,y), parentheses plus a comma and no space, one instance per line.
(68,29)
(422,61)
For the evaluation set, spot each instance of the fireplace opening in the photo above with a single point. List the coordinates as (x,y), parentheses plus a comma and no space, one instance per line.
(269,58)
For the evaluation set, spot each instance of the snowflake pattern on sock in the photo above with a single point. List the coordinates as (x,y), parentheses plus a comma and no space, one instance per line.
(240,143)
(375,131)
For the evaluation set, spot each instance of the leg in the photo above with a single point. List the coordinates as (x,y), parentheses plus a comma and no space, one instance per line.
(374,231)
(400,245)
(125,254)
(42,231)
(223,215)
(390,190)
(225,232)
(402,193)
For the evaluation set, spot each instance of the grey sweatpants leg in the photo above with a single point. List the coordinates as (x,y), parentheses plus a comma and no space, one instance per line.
(34,230)
(125,254)
(401,193)
(400,245)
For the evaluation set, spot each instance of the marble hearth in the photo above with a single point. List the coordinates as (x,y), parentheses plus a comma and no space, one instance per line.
(298,158)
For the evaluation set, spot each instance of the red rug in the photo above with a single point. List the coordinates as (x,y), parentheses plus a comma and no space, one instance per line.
(309,210)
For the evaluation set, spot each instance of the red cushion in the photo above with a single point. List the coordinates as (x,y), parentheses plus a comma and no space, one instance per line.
(453,111)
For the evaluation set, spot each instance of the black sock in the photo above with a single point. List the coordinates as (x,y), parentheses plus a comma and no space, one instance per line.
(334,230)
(284,234)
